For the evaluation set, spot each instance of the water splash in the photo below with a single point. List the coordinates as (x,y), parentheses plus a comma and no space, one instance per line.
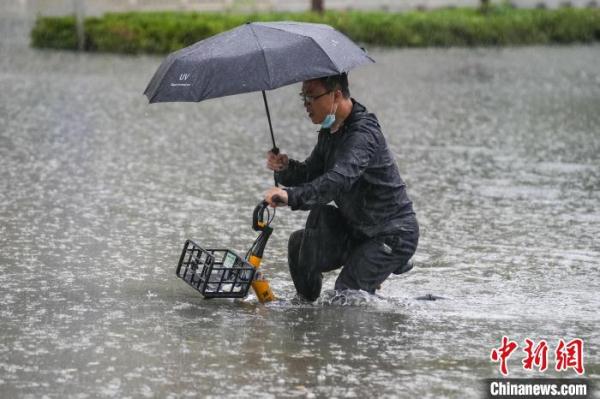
(349,298)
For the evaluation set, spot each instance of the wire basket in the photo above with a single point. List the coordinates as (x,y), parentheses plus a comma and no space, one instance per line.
(215,273)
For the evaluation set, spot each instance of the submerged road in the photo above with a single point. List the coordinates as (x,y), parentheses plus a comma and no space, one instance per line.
(99,190)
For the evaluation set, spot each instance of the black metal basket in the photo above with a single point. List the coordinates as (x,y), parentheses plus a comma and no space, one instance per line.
(215,273)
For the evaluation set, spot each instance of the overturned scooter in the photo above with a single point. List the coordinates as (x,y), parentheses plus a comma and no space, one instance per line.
(221,273)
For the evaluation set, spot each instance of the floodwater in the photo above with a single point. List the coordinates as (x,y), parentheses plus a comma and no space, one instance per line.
(99,190)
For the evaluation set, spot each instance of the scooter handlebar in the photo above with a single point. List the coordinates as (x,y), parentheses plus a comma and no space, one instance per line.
(258,216)
(278,200)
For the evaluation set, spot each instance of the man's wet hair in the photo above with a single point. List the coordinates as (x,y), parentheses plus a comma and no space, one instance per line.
(337,82)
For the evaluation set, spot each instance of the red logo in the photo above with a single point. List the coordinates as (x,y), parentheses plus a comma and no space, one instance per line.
(568,355)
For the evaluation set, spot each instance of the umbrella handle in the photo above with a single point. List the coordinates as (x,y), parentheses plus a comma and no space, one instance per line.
(275,150)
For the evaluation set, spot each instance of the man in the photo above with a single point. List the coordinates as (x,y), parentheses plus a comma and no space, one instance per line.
(373,231)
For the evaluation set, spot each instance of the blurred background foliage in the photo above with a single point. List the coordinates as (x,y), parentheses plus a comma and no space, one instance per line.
(495,25)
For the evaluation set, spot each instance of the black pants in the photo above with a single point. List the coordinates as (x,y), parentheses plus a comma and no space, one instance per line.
(327,243)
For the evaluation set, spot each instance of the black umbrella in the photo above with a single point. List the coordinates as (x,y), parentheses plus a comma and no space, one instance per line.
(252,57)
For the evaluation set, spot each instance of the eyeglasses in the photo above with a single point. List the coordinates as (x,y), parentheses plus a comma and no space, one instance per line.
(310,99)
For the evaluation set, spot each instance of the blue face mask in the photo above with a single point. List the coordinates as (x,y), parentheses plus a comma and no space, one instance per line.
(328,121)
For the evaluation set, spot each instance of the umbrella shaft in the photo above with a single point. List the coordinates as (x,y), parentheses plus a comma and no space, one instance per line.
(275,150)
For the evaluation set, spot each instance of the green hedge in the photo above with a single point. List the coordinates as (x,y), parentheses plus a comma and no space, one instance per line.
(163,32)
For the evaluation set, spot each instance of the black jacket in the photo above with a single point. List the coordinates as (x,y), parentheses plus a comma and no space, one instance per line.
(355,168)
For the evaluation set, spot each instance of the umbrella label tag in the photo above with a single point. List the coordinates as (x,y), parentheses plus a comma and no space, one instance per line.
(182,77)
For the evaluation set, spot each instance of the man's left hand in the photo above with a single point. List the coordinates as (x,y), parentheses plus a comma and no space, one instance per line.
(276,197)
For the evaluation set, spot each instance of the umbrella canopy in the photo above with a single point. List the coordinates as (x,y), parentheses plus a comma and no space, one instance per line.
(255,56)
